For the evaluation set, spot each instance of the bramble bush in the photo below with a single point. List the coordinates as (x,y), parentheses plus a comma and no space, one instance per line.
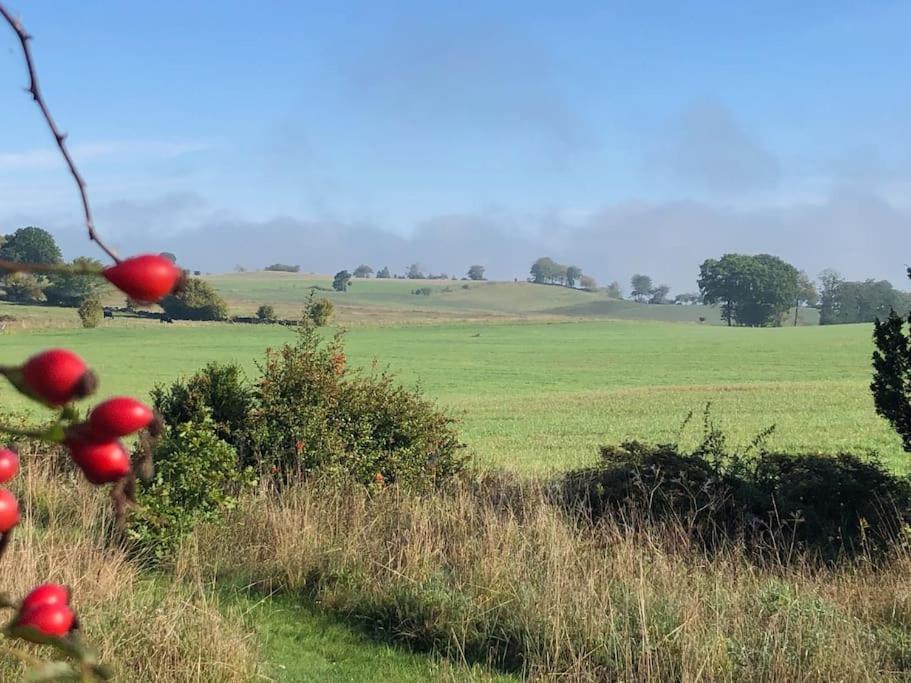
(825,506)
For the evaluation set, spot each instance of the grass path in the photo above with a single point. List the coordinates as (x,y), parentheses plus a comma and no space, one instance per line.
(299,644)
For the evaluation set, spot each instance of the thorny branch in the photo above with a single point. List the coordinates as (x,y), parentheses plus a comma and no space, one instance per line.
(35,90)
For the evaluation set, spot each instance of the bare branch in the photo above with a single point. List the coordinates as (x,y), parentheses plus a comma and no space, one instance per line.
(60,138)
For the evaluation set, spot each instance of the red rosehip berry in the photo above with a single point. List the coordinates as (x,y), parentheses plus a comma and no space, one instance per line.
(9,465)
(56,377)
(54,620)
(119,416)
(45,594)
(146,278)
(101,462)
(9,511)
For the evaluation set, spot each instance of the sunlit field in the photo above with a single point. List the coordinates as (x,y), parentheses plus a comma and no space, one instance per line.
(543,396)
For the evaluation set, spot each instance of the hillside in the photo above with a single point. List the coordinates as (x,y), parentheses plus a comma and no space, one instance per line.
(392,300)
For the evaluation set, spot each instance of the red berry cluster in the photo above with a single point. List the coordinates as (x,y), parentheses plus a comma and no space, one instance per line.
(57,378)
(45,610)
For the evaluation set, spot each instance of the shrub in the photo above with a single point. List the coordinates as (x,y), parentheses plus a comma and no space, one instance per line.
(314,415)
(319,311)
(91,312)
(308,413)
(198,300)
(196,478)
(827,505)
(265,312)
(283,268)
(422,291)
(217,392)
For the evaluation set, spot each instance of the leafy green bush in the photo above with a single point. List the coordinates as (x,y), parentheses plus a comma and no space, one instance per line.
(422,291)
(308,413)
(829,505)
(196,478)
(217,392)
(197,300)
(319,311)
(91,312)
(315,415)
(265,312)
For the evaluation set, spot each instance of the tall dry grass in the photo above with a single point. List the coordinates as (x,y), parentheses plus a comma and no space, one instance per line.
(149,628)
(508,579)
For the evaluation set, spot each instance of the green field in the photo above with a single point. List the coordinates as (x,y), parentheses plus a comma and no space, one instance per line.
(372,301)
(544,395)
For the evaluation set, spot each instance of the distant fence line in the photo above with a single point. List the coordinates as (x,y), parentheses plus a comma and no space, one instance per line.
(109,312)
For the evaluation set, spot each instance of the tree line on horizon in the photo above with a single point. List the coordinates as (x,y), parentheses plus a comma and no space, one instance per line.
(751,290)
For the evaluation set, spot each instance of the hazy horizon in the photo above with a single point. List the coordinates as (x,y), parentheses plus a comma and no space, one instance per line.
(621,138)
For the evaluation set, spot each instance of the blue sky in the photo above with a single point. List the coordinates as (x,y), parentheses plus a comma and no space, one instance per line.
(623,136)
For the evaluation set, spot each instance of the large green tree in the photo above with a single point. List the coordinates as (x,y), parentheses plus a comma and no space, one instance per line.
(754,291)
(341,281)
(640,287)
(573,275)
(476,272)
(547,271)
(31,245)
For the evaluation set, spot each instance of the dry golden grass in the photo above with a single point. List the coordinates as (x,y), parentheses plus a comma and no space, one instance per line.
(510,580)
(148,628)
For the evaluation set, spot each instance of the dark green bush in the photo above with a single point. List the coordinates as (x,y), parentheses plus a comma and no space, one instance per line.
(891,385)
(218,392)
(827,505)
(422,291)
(91,312)
(197,477)
(197,300)
(265,312)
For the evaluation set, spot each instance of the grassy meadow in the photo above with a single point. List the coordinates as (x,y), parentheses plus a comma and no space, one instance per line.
(360,585)
(542,395)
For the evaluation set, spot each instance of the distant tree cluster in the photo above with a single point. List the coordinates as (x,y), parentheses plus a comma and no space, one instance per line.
(35,245)
(843,301)
(283,268)
(644,291)
(363,271)
(476,273)
(546,271)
